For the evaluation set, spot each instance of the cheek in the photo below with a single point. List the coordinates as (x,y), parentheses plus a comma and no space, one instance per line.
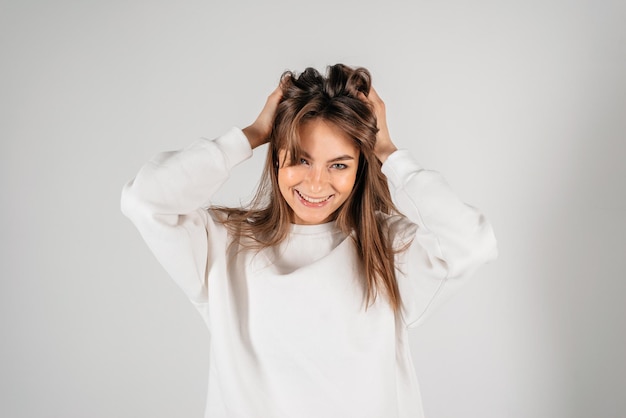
(287,177)
(345,182)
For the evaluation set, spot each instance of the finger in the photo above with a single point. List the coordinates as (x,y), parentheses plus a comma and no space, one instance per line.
(375,98)
(277,94)
(373,95)
(273,100)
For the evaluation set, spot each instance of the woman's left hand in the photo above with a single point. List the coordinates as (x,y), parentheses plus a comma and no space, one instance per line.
(384,146)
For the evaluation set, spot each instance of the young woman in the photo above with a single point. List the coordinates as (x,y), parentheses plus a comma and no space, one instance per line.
(309,292)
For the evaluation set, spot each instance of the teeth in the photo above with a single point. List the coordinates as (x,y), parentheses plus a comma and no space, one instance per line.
(311,200)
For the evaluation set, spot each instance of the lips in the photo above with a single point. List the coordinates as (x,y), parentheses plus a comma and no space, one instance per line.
(313,201)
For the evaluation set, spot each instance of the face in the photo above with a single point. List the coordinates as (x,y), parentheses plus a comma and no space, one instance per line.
(323,176)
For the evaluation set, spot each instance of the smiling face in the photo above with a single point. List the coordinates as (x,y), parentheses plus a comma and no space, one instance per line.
(322,177)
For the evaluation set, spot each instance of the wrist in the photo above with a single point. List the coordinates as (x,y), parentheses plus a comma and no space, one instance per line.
(385,151)
(255,138)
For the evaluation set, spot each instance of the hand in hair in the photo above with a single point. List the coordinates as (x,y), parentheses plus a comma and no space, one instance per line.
(384,146)
(259,132)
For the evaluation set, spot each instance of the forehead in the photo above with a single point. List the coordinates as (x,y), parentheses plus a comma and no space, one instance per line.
(320,138)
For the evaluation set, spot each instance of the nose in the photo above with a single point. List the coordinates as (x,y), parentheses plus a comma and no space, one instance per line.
(317,178)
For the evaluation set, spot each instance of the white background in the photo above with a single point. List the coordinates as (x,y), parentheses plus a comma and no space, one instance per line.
(521,104)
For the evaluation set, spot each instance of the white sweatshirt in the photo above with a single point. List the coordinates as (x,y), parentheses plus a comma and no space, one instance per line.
(290,337)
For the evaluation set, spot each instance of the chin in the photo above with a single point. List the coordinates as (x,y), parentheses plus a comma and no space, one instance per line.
(307,219)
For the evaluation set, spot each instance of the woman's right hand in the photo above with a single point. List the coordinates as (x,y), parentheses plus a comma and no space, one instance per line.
(259,132)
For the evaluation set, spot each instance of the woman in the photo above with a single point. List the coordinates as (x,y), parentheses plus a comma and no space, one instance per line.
(309,292)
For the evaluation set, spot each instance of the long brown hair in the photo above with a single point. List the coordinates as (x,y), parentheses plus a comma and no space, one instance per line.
(335,99)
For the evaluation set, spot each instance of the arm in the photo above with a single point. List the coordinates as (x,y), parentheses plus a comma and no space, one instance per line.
(166,203)
(167,199)
(450,239)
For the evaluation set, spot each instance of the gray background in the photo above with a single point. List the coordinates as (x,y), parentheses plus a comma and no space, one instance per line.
(521,104)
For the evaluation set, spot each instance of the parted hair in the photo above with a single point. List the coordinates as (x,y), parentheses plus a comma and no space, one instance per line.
(334,98)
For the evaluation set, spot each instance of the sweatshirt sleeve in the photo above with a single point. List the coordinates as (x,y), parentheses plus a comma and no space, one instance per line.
(450,239)
(167,203)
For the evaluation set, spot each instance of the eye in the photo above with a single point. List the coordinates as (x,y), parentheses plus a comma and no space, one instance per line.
(339,166)
(303,161)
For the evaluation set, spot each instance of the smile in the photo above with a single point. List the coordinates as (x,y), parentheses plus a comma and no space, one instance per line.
(312,201)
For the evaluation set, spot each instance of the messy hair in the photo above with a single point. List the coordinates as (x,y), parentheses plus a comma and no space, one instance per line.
(333,98)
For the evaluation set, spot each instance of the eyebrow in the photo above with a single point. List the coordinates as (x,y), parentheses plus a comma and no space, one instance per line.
(340,158)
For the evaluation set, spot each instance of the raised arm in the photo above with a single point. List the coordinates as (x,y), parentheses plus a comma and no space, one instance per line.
(450,238)
(167,200)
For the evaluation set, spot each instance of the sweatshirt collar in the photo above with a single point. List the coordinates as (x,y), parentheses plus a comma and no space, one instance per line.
(314,229)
